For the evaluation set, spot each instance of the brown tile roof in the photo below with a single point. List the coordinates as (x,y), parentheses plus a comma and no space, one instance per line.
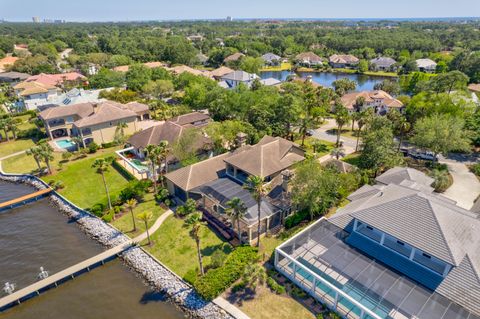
(179,69)
(474,87)
(151,65)
(190,177)
(349,100)
(308,56)
(269,156)
(166,131)
(234,57)
(56,79)
(106,112)
(28,88)
(189,118)
(343,58)
(221,71)
(135,107)
(82,110)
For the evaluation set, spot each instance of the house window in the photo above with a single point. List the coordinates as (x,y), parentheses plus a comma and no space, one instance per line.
(400,243)
(426,256)
(370,227)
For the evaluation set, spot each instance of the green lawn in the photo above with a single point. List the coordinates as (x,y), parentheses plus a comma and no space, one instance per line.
(353,159)
(7,148)
(324,149)
(174,247)
(125,224)
(284,66)
(83,186)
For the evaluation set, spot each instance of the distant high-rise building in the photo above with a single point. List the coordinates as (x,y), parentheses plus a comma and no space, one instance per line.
(36,19)
(229,18)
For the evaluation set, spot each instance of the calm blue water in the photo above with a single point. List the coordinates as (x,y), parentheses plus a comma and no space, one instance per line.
(66,144)
(364,82)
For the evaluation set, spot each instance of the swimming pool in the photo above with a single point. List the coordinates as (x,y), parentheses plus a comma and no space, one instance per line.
(66,144)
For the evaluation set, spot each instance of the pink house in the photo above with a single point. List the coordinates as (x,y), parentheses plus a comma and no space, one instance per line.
(56,79)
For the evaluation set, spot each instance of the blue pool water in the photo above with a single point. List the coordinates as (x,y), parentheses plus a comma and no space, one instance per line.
(65,144)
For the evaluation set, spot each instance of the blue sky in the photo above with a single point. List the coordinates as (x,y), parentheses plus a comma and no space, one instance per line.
(128,10)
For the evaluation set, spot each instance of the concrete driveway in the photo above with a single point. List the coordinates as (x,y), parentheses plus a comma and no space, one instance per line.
(323,133)
(465,188)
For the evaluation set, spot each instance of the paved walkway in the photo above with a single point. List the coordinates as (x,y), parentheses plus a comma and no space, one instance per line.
(465,188)
(11,155)
(230,308)
(322,133)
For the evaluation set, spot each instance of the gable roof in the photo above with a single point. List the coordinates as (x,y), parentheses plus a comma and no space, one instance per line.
(221,71)
(268,57)
(241,76)
(55,79)
(269,156)
(343,59)
(29,88)
(234,57)
(189,118)
(397,175)
(166,131)
(81,109)
(14,75)
(426,63)
(179,69)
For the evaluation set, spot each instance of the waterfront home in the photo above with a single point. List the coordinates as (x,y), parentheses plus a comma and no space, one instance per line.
(343,61)
(13,77)
(426,65)
(217,180)
(397,250)
(93,122)
(380,100)
(7,62)
(383,64)
(271,59)
(56,79)
(233,79)
(33,94)
(308,59)
(233,57)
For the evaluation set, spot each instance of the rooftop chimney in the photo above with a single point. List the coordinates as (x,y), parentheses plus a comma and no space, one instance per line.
(241,139)
(286,177)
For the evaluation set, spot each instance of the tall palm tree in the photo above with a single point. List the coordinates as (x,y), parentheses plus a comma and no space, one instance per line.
(236,211)
(194,222)
(78,140)
(131,204)
(153,152)
(46,153)
(102,165)
(341,118)
(403,127)
(4,127)
(361,121)
(253,275)
(119,137)
(12,126)
(35,152)
(258,191)
(338,152)
(146,217)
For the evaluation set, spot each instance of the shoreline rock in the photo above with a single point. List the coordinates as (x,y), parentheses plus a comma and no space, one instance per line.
(157,276)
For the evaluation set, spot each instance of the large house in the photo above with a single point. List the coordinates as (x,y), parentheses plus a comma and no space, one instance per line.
(343,61)
(383,64)
(33,94)
(380,100)
(233,79)
(150,65)
(56,79)
(93,122)
(397,250)
(221,71)
(308,59)
(233,57)
(7,62)
(215,181)
(171,131)
(13,77)
(271,59)
(426,65)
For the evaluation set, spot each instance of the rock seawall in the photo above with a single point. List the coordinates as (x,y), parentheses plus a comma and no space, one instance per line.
(155,274)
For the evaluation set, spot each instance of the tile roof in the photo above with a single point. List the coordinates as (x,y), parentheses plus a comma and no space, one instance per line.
(190,118)
(385,62)
(269,156)
(308,56)
(397,175)
(343,59)
(151,65)
(82,110)
(106,112)
(29,88)
(234,57)
(14,75)
(55,79)
(241,76)
(426,63)
(6,61)
(166,131)
(472,87)
(268,57)
(349,100)
(221,71)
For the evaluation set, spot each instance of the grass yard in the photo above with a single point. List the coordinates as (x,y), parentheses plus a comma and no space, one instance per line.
(284,66)
(324,148)
(7,148)
(125,224)
(174,246)
(26,164)
(83,186)
(353,159)
(268,305)
(346,132)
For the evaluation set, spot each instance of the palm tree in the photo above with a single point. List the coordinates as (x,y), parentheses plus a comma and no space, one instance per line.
(341,117)
(153,152)
(35,152)
(102,165)
(253,275)
(131,204)
(361,119)
(258,191)
(12,126)
(236,211)
(46,153)
(338,152)
(146,217)
(119,137)
(78,140)
(194,222)
(403,127)
(4,127)
(163,151)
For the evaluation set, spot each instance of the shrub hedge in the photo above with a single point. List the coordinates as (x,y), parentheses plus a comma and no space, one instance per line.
(296,218)
(123,171)
(219,279)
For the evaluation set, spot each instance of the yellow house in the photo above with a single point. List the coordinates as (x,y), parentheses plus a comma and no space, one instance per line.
(93,122)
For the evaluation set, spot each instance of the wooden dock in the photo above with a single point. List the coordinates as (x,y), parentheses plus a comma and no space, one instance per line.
(62,276)
(22,200)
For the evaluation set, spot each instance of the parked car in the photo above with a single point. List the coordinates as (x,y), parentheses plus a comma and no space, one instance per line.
(423,155)
(310,132)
